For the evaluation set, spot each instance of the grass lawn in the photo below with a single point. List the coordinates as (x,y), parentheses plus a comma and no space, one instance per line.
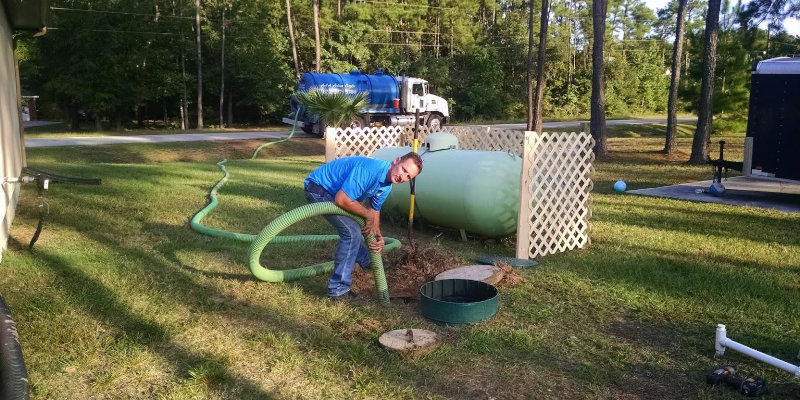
(120,299)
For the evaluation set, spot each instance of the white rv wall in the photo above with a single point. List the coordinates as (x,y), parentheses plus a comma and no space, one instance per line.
(12,150)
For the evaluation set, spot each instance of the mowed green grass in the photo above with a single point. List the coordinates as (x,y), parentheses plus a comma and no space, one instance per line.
(121,299)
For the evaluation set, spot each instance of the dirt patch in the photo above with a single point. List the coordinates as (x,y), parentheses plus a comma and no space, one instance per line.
(368,326)
(409,268)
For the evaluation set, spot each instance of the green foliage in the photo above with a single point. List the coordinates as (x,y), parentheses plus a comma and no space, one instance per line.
(477,86)
(122,61)
(334,109)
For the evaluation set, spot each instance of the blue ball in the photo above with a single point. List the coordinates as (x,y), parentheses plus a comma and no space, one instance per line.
(620,186)
(716,189)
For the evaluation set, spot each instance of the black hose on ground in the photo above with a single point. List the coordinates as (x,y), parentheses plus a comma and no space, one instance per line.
(13,374)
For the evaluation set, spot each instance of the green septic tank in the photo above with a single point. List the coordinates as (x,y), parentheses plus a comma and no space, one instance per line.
(477,191)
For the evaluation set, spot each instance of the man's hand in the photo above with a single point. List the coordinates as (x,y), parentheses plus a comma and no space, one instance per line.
(372,227)
(377,245)
(372,218)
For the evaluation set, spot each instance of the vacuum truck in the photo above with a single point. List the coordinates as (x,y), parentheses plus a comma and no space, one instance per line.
(392,100)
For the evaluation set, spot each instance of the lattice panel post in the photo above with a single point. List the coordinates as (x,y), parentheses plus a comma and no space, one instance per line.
(330,144)
(559,166)
(530,142)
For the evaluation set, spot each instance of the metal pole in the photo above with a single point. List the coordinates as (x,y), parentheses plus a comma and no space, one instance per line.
(412,183)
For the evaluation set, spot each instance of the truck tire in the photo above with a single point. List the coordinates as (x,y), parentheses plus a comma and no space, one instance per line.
(434,122)
(359,122)
(13,374)
(308,128)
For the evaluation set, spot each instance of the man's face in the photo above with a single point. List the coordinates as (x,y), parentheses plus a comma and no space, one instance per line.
(402,171)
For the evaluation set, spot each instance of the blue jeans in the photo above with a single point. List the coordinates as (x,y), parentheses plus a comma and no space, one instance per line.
(351,248)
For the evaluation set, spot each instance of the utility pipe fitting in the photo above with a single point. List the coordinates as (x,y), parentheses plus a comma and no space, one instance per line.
(724,342)
(19,179)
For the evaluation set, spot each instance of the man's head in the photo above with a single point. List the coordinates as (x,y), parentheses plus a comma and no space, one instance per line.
(405,168)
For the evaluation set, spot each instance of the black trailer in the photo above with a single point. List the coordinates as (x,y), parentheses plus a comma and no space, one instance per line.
(772,146)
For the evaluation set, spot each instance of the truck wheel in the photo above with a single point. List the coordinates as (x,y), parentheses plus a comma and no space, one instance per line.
(308,128)
(434,122)
(358,123)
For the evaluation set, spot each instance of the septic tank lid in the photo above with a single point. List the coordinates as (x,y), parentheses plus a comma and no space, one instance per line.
(408,339)
(440,141)
(485,273)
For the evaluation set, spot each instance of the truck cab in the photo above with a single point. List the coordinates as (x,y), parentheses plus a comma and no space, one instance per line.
(415,96)
(392,101)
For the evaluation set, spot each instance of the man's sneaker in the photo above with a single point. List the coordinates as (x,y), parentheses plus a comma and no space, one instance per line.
(348,297)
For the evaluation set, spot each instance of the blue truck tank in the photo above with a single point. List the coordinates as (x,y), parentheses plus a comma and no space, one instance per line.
(381,88)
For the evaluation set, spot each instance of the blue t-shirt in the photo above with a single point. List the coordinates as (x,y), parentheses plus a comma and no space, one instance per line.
(360,178)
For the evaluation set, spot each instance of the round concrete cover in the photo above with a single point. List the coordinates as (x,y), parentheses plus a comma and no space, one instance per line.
(408,339)
(486,273)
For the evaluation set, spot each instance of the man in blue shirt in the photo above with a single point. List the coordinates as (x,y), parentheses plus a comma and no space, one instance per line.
(347,182)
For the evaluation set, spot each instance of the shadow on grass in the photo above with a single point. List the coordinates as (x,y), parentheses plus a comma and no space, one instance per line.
(647,130)
(102,303)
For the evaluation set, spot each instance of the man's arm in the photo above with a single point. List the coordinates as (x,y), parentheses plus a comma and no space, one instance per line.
(371,217)
(378,244)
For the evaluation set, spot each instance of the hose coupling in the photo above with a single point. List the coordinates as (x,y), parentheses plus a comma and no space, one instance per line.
(19,179)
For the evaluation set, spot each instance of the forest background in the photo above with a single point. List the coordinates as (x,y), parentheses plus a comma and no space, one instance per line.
(127,63)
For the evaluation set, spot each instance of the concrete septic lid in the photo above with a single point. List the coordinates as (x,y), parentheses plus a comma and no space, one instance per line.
(484,273)
(408,340)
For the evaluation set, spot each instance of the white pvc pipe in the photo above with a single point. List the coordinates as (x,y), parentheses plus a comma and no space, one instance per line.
(724,342)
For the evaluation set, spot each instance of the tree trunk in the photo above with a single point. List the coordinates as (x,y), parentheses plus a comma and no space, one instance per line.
(98,124)
(672,108)
(184,102)
(540,78)
(598,120)
(705,110)
(139,117)
(291,37)
(529,72)
(230,108)
(199,67)
(222,73)
(317,46)
(183,115)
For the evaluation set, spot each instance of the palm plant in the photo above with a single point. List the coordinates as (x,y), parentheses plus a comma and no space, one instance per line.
(334,109)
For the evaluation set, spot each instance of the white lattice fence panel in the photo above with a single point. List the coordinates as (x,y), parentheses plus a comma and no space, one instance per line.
(463,133)
(502,140)
(407,137)
(556,190)
(475,138)
(468,136)
(343,142)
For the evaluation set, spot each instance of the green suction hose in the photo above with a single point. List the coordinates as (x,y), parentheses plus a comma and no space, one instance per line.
(299,214)
(270,232)
(294,126)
